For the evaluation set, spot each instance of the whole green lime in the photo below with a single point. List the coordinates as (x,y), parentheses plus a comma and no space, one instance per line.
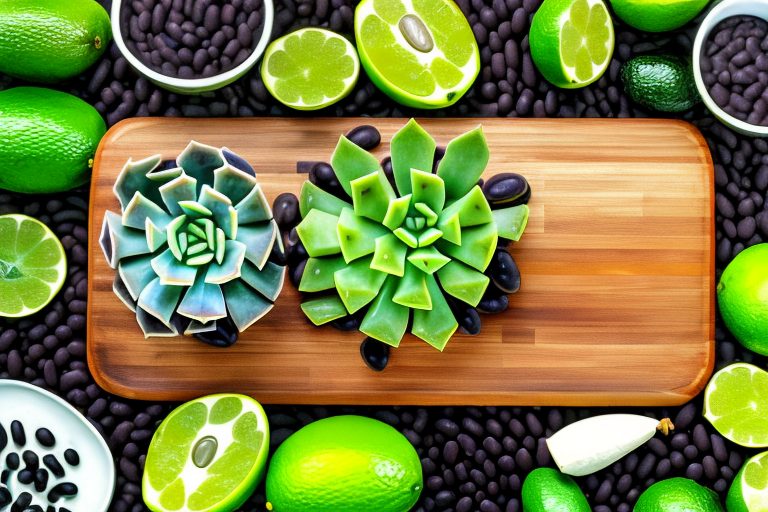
(51,40)
(742,295)
(548,490)
(48,140)
(344,463)
(678,495)
(657,15)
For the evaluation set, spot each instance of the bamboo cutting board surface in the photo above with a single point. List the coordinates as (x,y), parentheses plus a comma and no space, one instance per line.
(617,299)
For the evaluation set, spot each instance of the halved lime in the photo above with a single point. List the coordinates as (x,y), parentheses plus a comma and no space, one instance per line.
(422,53)
(32,265)
(207,455)
(572,41)
(310,68)
(749,490)
(736,403)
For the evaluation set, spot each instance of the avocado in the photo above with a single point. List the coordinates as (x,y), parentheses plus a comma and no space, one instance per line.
(660,82)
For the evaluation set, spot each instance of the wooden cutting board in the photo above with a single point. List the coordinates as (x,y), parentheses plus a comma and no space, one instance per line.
(617,298)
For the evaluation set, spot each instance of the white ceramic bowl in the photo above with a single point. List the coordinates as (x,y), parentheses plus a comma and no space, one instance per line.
(721,11)
(193,85)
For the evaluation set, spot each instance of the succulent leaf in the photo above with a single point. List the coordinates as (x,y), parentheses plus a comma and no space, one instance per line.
(224,215)
(318,273)
(151,326)
(350,161)
(436,325)
(182,188)
(160,300)
(429,236)
(316,236)
(358,284)
(429,215)
(371,195)
(397,211)
(139,209)
(412,289)
(407,237)
(136,273)
(512,221)
(203,302)
(313,197)
(160,176)
(324,309)
(254,207)
(389,255)
(428,189)
(386,320)
(268,281)
(465,159)
(133,178)
(199,161)
(156,237)
(196,327)
(428,259)
(450,227)
(463,282)
(172,271)
(473,208)
(412,148)
(194,210)
(118,242)
(245,305)
(233,183)
(258,239)
(229,268)
(118,286)
(477,246)
(357,235)
(172,232)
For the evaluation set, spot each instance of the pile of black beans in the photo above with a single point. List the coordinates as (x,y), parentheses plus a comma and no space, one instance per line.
(192,38)
(474,458)
(734,66)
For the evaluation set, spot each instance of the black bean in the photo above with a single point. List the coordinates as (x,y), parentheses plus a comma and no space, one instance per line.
(52,463)
(375,353)
(17,433)
(493,303)
(447,427)
(285,211)
(365,136)
(504,272)
(45,437)
(5,497)
(467,444)
(22,501)
(30,459)
(41,480)
(62,490)
(12,461)
(25,476)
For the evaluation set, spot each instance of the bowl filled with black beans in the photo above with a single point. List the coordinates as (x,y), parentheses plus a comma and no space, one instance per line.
(730,64)
(192,46)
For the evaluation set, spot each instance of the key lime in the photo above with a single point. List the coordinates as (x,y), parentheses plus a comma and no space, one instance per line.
(310,68)
(749,490)
(548,490)
(742,295)
(207,455)
(32,265)
(736,403)
(657,15)
(572,41)
(678,495)
(421,53)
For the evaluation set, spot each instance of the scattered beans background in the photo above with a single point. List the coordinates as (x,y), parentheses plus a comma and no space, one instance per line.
(473,458)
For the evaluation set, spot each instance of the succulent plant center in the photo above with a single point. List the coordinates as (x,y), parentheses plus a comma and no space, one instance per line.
(196,241)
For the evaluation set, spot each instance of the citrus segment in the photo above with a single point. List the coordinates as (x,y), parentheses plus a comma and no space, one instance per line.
(749,491)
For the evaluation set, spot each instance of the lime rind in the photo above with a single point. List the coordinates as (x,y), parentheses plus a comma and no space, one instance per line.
(749,491)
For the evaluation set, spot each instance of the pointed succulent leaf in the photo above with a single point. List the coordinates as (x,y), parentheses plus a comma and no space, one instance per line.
(224,215)
(194,230)
(118,241)
(397,211)
(477,246)
(473,208)
(172,232)
(389,255)
(139,209)
(118,286)
(151,326)
(511,222)
(156,237)
(371,195)
(203,302)
(237,161)
(259,239)
(200,259)
(429,215)
(245,305)
(412,289)
(195,247)
(428,259)
(465,159)
(233,183)
(350,161)
(407,237)
(161,175)
(219,245)
(437,325)
(313,197)
(253,207)
(463,282)
(160,300)
(194,210)
(358,284)
(324,309)
(412,147)
(136,273)
(357,235)
(199,161)
(429,236)
(386,320)
(318,273)
(172,271)
(428,189)
(229,268)
(317,234)
(183,188)
(195,327)
(209,232)
(133,178)
(450,226)
(268,281)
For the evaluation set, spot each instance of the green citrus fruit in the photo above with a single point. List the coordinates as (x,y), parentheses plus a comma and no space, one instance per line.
(548,490)
(207,455)
(749,490)
(742,295)
(310,68)
(571,41)
(736,403)
(32,265)
(657,15)
(678,495)
(344,464)
(421,53)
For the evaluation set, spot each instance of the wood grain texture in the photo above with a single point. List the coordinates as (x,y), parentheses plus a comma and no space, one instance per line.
(617,298)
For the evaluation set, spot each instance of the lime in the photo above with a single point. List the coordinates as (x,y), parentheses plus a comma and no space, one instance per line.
(742,295)
(421,53)
(207,455)
(571,41)
(548,490)
(749,490)
(657,15)
(344,464)
(32,265)
(310,68)
(736,403)
(678,495)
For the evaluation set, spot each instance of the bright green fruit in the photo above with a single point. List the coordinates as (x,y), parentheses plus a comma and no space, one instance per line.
(422,53)
(678,495)
(548,490)
(661,82)
(51,40)
(32,265)
(657,15)
(749,490)
(344,463)
(742,298)
(47,140)
(208,455)
(571,41)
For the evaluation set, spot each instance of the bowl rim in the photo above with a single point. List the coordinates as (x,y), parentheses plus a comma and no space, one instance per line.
(193,85)
(718,13)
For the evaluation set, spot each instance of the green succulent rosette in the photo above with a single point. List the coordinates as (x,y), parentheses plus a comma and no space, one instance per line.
(402,246)
(193,243)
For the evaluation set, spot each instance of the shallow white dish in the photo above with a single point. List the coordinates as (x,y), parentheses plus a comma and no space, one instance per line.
(36,408)
(721,11)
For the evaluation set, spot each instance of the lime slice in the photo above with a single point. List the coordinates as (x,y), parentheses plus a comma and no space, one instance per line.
(572,41)
(32,265)
(310,68)
(207,455)
(749,490)
(422,53)
(736,403)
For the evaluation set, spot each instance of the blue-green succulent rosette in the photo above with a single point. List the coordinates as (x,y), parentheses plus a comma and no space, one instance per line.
(194,244)
(408,251)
